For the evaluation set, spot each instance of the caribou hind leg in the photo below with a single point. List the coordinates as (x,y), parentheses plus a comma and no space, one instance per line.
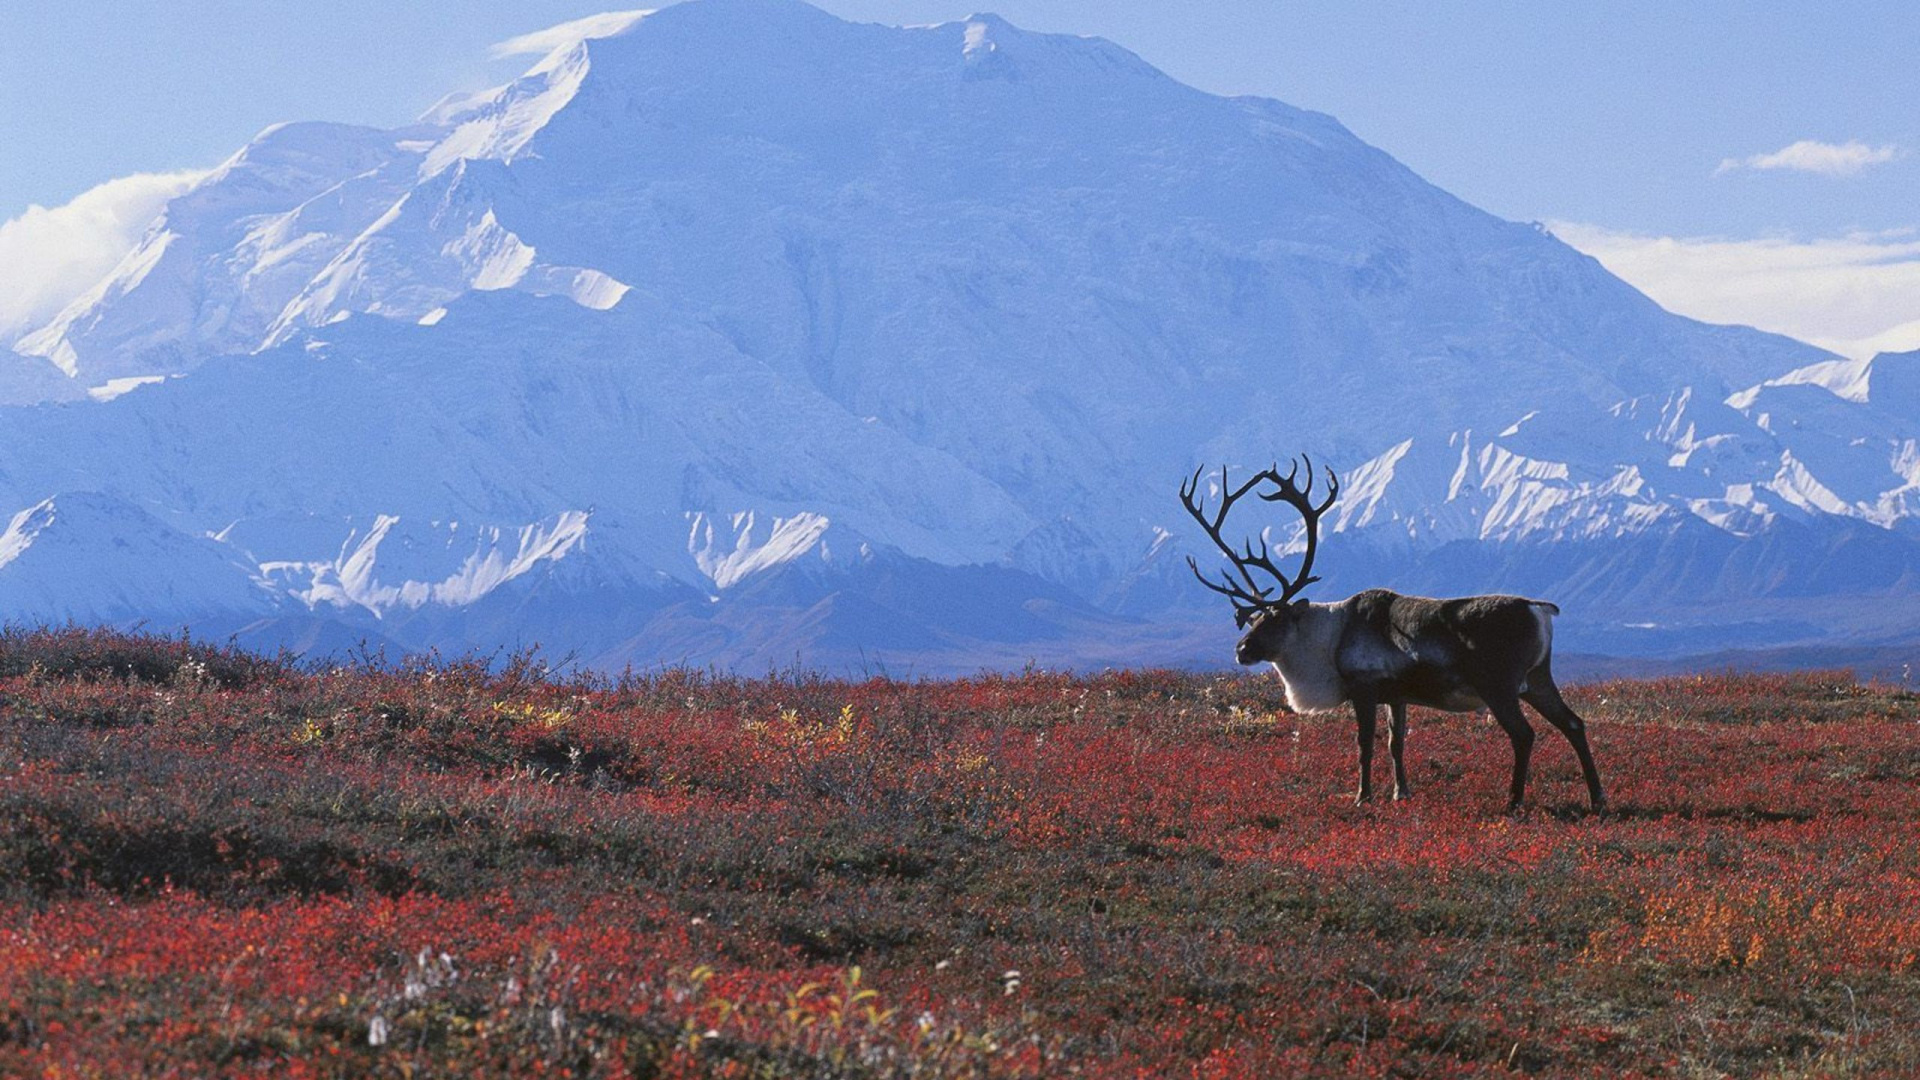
(1397,745)
(1506,710)
(1545,698)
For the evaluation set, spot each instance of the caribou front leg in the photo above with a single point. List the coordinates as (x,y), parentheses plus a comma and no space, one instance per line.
(1397,746)
(1365,713)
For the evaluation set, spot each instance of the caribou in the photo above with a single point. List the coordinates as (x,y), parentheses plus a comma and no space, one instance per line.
(1381,648)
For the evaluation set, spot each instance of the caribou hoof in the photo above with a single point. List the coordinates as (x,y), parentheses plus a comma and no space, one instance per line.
(1400,794)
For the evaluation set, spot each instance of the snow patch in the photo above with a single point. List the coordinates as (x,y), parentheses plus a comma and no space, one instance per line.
(483,572)
(21,531)
(977,41)
(1363,493)
(495,257)
(1844,379)
(568,34)
(730,550)
(1514,428)
(114,388)
(51,341)
(499,123)
(1797,485)
(498,556)
(588,288)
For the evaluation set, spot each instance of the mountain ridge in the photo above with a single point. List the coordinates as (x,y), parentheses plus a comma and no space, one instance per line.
(746,293)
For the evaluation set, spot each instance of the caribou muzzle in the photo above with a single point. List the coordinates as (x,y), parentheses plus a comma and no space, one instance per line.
(1243,654)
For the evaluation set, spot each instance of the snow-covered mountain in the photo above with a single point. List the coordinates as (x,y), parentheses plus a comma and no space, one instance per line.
(735,333)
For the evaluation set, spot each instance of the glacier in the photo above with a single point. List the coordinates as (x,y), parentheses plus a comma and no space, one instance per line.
(734,333)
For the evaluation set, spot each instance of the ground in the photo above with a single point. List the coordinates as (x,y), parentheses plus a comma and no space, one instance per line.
(219,864)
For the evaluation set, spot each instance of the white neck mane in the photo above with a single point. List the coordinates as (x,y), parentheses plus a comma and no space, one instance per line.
(1307,665)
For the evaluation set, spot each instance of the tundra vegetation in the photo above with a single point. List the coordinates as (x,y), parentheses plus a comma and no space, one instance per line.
(224,865)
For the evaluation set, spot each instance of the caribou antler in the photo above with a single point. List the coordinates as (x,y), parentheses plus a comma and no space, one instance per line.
(1252,598)
(1301,499)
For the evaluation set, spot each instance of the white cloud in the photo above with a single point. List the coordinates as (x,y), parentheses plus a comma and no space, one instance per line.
(542,42)
(1808,155)
(1902,338)
(1854,295)
(48,257)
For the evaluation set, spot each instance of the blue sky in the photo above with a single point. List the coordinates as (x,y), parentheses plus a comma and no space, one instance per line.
(1740,161)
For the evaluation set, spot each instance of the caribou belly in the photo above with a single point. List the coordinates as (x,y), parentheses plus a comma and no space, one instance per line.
(1433,685)
(1421,685)
(1390,675)
(1458,700)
